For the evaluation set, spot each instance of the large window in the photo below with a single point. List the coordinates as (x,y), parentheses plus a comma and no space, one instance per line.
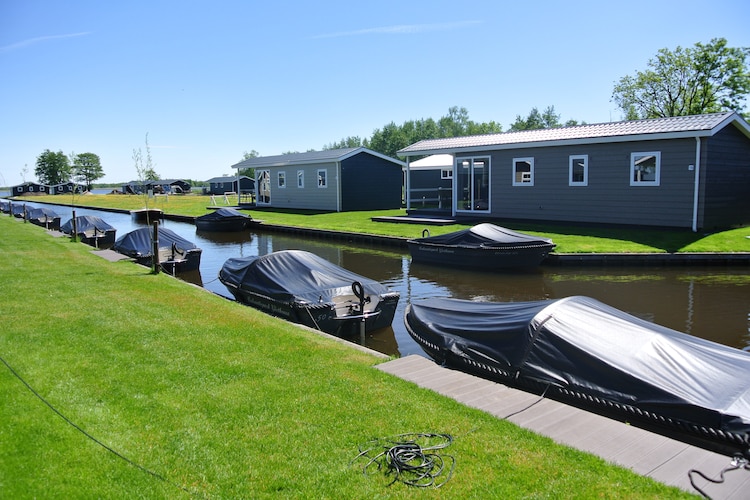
(473,184)
(523,171)
(578,174)
(645,168)
(281,179)
(322,178)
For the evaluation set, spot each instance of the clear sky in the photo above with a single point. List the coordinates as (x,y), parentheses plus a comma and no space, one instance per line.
(208,81)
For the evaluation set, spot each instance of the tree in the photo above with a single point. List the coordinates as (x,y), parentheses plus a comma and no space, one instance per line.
(703,79)
(52,168)
(145,171)
(86,169)
(347,142)
(249,172)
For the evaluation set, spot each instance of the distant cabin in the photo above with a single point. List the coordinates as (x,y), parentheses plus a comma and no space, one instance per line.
(67,188)
(221,185)
(30,188)
(684,172)
(338,180)
(161,186)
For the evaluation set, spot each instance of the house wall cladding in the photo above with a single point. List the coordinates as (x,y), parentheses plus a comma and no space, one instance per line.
(608,189)
(310,196)
(370,183)
(726,181)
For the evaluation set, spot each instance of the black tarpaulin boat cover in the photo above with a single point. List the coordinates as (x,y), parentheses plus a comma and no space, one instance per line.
(223,214)
(41,212)
(86,223)
(138,243)
(583,345)
(488,235)
(295,275)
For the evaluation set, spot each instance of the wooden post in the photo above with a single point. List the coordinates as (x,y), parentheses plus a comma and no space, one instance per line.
(155,249)
(75,227)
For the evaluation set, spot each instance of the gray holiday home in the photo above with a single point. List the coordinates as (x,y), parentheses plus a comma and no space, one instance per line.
(338,180)
(686,172)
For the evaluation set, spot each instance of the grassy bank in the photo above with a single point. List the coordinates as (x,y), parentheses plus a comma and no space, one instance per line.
(569,238)
(218,400)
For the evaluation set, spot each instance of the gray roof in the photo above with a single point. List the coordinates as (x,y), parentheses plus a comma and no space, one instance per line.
(309,157)
(226,179)
(657,128)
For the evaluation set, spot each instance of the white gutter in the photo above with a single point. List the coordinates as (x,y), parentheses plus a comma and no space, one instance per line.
(697,182)
(407,184)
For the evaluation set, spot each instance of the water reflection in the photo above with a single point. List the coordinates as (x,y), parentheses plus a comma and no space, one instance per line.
(708,302)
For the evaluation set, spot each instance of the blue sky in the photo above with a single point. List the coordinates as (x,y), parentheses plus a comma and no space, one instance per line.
(208,81)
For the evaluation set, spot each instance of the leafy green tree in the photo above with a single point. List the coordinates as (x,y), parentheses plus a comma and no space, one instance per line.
(52,168)
(347,142)
(249,172)
(87,168)
(687,81)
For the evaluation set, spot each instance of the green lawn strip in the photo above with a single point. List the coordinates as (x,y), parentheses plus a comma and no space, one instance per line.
(222,400)
(569,238)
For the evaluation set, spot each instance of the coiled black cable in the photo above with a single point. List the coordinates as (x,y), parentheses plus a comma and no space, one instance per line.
(410,457)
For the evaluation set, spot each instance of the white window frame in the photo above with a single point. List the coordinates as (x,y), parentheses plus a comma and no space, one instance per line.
(523,182)
(571,162)
(322,179)
(301,179)
(281,179)
(657,174)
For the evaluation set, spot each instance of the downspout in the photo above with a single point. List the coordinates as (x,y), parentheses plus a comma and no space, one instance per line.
(697,182)
(407,183)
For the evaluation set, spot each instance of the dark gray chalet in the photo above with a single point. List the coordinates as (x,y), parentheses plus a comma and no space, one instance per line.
(686,172)
(338,180)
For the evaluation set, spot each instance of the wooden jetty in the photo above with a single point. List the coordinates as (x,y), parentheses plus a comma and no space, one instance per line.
(658,457)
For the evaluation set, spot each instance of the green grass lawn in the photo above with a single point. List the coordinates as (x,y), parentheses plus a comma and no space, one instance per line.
(568,238)
(219,400)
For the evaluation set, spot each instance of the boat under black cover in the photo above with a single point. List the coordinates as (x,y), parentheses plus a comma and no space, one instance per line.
(304,288)
(484,246)
(223,219)
(176,254)
(586,353)
(92,230)
(45,217)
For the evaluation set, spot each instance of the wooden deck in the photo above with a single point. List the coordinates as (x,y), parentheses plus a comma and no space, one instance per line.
(658,457)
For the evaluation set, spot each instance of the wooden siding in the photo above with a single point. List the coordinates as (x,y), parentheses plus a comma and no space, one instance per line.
(370,183)
(608,197)
(726,178)
(311,196)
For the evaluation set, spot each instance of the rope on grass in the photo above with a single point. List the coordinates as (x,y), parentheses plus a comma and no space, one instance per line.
(411,458)
(89,436)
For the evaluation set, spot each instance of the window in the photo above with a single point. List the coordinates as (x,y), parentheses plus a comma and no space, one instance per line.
(578,174)
(322,178)
(645,168)
(300,178)
(282,179)
(523,171)
(472,184)
(446,173)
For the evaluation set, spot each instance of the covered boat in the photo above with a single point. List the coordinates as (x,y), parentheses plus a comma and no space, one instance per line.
(91,230)
(45,217)
(304,288)
(223,219)
(176,254)
(484,246)
(586,353)
(147,215)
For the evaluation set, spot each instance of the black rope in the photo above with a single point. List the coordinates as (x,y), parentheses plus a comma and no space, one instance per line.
(92,438)
(410,457)
(738,462)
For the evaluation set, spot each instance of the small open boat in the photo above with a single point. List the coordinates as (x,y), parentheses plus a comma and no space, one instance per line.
(45,217)
(147,215)
(588,354)
(484,246)
(304,288)
(223,219)
(91,230)
(176,254)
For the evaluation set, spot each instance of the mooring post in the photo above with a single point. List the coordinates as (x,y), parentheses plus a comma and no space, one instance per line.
(74,236)
(155,249)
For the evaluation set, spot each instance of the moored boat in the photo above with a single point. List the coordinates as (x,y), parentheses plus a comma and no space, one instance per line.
(223,220)
(304,288)
(175,253)
(45,217)
(588,354)
(147,215)
(483,246)
(91,230)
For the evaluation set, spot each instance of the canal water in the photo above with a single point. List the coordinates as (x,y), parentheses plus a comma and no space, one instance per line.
(711,302)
